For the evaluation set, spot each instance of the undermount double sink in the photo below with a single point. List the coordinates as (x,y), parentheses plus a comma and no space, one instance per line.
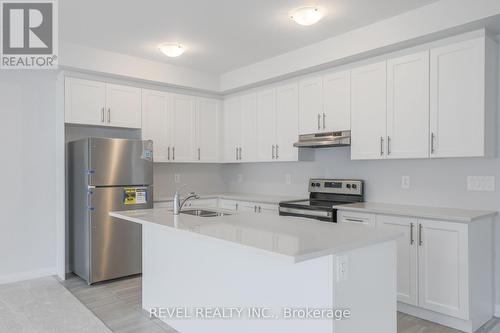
(204,213)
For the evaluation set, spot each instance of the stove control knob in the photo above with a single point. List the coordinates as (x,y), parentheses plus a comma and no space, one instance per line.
(312,184)
(354,186)
(348,186)
(318,184)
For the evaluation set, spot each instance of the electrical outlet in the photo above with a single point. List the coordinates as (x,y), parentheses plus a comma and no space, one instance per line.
(240,178)
(177,178)
(405,182)
(342,268)
(288,179)
(481,183)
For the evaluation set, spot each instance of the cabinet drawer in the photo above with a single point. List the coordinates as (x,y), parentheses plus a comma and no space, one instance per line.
(356,218)
(211,203)
(229,204)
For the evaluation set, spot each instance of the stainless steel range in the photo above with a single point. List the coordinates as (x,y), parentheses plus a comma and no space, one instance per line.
(323,195)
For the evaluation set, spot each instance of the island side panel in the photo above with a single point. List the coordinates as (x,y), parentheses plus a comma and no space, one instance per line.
(368,289)
(182,269)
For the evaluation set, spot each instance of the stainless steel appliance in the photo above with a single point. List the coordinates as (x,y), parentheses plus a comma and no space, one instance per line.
(324,140)
(108,175)
(323,195)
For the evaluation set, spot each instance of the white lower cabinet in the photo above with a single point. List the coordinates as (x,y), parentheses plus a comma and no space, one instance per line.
(247,206)
(444,268)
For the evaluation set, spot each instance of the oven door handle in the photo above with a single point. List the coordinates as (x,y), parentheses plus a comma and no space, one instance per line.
(306,212)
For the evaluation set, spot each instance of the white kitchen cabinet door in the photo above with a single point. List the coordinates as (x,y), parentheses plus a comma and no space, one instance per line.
(406,253)
(232,129)
(368,111)
(208,118)
(457,99)
(443,267)
(310,105)
(85,102)
(155,123)
(183,128)
(248,129)
(229,204)
(266,125)
(123,106)
(408,106)
(287,122)
(336,115)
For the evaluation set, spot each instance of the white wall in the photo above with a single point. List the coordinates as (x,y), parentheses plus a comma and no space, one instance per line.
(28,137)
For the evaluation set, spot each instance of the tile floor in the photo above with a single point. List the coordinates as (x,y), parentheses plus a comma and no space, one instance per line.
(44,305)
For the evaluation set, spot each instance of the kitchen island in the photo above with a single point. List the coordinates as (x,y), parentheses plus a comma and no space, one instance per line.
(266,273)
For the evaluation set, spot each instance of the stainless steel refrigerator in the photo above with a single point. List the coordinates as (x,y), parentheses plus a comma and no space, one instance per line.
(107,175)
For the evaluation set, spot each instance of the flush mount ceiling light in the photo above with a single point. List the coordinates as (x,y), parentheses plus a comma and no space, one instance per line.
(306,15)
(172,49)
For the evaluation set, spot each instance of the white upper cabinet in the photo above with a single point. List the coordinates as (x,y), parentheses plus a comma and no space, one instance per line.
(98,103)
(85,102)
(311,105)
(123,106)
(247,151)
(408,106)
(458,112)
(336,115)
(232,129)
(287,122)
(266,125)
(183,128)
(368,111)
(156,122)
(207,129)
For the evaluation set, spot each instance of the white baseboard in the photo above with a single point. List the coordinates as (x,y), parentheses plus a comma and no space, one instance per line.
(21,276)
(497,310)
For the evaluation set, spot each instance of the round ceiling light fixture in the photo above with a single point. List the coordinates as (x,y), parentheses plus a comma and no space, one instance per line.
(306,15)
(172,49)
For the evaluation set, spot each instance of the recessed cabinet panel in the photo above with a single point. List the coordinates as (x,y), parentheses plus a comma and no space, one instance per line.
(266,125)
(123,106)
(85,102)
(207,130)
(311,105)
(287,122)
(408,106)
(368,111)
(155,123)
(336,115)
(183,135)
(457,99)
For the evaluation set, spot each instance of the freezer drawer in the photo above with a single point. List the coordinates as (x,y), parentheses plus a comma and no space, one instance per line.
(115,245)
(119,162)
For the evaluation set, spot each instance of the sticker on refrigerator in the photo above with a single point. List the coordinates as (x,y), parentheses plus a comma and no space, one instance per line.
(135,196)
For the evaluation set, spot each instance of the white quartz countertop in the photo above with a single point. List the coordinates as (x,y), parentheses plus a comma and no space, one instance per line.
(293,239)
(251,197)
(438,213)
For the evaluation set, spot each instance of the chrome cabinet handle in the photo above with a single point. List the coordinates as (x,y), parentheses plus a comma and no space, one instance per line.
(412,241)
(259,209)
(273,152)
(381,146)
(324,116)
(319,121)
(173,153)
(240,152)
(199,153)
(255,209)
(236,206)
(109,115)
(432,143)
(236,150)
(388,145)
(420,241)
(102,114)
(354,220)
(277,151)
(168,153)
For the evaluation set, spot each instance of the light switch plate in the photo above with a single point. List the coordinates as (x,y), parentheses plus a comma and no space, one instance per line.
(177,178)
(481,183)
(405,182)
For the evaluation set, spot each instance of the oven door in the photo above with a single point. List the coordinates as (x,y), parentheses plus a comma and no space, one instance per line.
(322,214)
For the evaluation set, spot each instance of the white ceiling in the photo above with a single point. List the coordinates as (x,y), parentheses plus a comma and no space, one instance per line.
(221,35)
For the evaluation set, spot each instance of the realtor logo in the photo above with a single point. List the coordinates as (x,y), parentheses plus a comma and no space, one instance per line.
(29,34)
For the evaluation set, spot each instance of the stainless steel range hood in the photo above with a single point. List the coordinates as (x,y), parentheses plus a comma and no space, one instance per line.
(324,140)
